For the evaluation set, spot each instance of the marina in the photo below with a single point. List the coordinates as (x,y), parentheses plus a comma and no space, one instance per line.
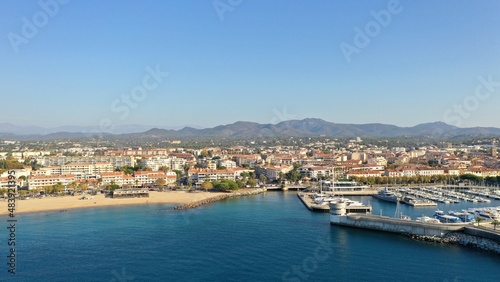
(438,226)
(321,202)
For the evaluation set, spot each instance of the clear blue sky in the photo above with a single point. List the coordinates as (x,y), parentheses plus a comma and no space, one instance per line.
(260,60)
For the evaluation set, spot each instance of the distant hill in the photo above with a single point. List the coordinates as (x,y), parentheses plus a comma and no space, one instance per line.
(316,127)
(304,127)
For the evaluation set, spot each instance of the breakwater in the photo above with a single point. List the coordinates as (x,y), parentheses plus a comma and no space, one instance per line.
(459,238)
(219,198)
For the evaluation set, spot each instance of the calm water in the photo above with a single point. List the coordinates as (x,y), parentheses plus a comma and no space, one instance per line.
(269,237)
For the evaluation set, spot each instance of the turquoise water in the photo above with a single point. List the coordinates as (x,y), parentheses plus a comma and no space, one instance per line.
(268,237)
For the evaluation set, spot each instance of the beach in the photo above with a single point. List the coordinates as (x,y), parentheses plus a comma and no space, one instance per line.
(74,202)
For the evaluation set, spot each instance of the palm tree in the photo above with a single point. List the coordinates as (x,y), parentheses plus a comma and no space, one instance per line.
(495,222)
(478,220)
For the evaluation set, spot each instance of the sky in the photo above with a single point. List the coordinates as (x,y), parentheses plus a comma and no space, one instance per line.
(208,63)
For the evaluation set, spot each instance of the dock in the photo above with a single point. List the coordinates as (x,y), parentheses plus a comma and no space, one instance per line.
(307,200)
(341,215)
(309,203)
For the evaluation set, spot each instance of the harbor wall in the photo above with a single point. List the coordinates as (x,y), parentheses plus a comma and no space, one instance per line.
(219,198)
(462,239)
(394,225)
(488,234)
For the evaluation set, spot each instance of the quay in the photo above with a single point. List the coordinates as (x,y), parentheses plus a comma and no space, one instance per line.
(341,215)
(307,199)
(396,225)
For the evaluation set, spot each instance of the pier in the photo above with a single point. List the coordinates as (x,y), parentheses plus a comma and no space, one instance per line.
(396,225)
(307,200)
(309,203)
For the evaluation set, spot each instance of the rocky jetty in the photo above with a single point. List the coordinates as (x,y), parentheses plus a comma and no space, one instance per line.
(457,238)
(220,197)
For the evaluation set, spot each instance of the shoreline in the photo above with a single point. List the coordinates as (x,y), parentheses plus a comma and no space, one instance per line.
(186,200)
(65,203)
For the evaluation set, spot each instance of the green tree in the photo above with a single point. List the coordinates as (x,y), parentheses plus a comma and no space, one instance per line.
(58,188)
(127,170)
(293,175)
(225,185)
(495,222)
(10,163)
(83,186)
(263,178)
(479,220)
(23,193)
(240,184)
(251,182)
(160,182)
(112,187)
(203,154)
(72,185)
(207,185)
(163,168)
(471,177)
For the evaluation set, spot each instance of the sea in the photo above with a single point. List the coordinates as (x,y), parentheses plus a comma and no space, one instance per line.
(266,237)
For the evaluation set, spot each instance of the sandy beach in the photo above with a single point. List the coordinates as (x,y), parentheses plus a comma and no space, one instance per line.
(73,202)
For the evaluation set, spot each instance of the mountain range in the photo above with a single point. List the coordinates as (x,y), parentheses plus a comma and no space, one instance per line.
(242,129)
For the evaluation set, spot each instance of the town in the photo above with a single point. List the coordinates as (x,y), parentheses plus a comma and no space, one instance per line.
(69,166)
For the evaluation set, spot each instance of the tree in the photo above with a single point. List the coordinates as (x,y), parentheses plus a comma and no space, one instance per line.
(112,187)
(163,168)
(263,178)
(207,185)
(160,182)
(57,188)
(23,193)
(495,222)
(293,175)
(203,155)
(251,182)
(128,169)
(83,186)
(478,220)
(10,163)
(225,185)
(72,185)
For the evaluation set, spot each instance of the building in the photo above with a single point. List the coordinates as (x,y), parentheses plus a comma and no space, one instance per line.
(272,173)
(130,193)
(115,161)
(41,181)
(199,176)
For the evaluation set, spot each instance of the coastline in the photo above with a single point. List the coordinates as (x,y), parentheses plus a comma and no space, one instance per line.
(73,202)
